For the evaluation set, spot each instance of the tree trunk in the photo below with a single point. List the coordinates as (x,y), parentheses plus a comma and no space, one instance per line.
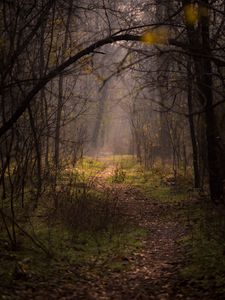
(60,90)
(200,50)
(192,131)
(99,116)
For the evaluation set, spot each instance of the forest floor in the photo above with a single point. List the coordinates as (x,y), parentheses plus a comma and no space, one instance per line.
(150,270)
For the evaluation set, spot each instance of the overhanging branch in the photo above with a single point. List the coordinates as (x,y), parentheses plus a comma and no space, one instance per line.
(59,69)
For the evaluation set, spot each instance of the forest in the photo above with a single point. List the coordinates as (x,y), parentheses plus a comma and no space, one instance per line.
(112,149)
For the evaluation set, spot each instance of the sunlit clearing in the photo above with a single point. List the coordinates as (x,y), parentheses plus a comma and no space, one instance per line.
(191,14)
(156,36)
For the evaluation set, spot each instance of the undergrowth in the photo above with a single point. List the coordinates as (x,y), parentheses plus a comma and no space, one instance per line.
(119,175)
(204,242)
(85,230)
(158,182)
(205,245)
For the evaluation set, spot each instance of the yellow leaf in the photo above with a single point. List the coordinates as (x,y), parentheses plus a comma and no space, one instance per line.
(191,14)
(156,36)
(148,37)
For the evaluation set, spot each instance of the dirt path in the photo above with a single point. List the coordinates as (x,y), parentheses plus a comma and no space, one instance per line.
(153,271)
(154,267)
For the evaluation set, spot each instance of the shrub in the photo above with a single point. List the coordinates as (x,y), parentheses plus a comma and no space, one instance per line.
(119,175)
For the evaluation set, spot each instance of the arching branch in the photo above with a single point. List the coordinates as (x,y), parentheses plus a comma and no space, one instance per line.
(59,69)
(52,74)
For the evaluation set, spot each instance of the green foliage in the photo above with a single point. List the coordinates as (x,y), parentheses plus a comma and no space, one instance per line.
(90,165)
(99,252)
(205,245)
(119,175)
(87,169)
(87,229)
(100,248)
(158,182)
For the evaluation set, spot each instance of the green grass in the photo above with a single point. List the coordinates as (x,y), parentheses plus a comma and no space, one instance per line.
(84,249)
(101,248)
(86,170)
(94,236)
(205,241)
(104,242)
(90,165)
(155,183)
(205,245)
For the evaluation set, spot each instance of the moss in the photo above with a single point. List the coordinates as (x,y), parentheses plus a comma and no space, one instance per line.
(84,249)
(205,245)
(92,240)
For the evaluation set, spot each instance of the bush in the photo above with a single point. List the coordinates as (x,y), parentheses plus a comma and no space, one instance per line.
(119,175)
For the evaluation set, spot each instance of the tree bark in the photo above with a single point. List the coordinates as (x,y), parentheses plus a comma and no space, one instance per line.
(200,51)
(192,131)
